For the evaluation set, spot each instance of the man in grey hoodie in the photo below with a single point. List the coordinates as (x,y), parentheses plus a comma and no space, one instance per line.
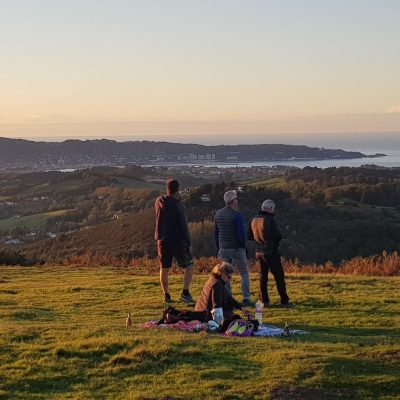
(173,239)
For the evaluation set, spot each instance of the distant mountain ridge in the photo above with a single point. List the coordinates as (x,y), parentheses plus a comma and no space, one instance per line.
(25,154)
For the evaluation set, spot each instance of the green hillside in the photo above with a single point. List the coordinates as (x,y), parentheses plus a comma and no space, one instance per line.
(36,221)
(62,336)
(333,214)
(127,237)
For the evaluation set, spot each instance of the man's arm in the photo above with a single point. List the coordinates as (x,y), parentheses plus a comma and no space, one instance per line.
(217,296)
(233,302)
(157,233)
(271,232)
(216,235)
(239,226)
(275,232)
(183,224)
(250,234)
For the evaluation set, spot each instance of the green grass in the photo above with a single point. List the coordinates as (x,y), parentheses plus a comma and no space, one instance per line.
(35,221)
(62,336)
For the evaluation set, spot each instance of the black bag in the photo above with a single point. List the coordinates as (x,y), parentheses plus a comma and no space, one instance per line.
(172,316)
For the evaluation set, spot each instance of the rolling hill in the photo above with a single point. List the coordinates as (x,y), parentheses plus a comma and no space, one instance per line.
(128,237)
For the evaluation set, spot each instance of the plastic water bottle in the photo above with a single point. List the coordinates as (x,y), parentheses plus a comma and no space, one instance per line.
(217,315)
(259,310)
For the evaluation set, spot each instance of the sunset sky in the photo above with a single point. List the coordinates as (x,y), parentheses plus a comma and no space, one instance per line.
(120,67)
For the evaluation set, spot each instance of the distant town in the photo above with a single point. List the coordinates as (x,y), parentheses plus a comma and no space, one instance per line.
(24,155)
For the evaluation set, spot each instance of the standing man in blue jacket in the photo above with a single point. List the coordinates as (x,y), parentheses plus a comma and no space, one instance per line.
(230,240)
(173,239)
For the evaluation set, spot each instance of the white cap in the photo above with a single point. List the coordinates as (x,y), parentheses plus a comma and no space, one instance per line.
(268,205)
(229,196)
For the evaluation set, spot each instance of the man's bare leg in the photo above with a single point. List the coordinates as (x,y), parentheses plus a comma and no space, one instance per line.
(187,277)
(164,280)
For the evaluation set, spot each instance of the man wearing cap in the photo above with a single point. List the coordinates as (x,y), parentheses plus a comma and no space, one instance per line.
(265,232)
(231,241)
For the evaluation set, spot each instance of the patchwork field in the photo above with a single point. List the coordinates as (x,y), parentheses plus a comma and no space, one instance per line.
(62,336)
(35,221)
(276,183)
(141,183)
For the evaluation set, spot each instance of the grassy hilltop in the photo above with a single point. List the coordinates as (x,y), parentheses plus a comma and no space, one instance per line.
(62,336)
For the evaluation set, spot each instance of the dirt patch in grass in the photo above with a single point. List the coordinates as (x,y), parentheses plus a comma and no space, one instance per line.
(303,393)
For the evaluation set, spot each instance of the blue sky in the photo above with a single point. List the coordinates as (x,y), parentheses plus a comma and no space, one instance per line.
(89,62)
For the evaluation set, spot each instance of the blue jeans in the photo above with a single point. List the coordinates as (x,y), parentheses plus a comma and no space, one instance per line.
(237,257)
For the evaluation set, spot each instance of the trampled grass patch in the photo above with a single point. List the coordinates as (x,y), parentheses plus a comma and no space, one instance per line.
(63,336)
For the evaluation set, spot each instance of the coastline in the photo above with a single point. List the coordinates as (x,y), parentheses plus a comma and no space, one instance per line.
(388,161)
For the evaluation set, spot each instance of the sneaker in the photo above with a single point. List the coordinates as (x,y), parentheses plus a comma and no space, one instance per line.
(167,298)
(248,303)
(287,305)
(187,298)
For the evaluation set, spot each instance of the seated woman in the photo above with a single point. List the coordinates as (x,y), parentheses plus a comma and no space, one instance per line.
(215,301)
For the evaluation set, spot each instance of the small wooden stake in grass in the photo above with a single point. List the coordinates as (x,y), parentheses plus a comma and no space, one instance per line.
(128,321)
(286,331)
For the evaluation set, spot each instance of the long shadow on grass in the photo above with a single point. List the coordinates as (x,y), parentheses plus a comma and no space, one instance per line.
(335,304)
(315,303)
(24,337)
(6,303)
(89,354)
(369,378)
(34,313)
(207,363)
(63,383)
(361,336)
(8,291)
(25,387)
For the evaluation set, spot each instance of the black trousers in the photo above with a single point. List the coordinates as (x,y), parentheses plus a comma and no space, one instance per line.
(271,263)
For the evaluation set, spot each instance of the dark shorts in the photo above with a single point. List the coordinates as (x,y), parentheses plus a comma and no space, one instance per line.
(166,253)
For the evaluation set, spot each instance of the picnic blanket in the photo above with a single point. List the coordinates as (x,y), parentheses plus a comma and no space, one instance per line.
(271,330)
(264,330)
